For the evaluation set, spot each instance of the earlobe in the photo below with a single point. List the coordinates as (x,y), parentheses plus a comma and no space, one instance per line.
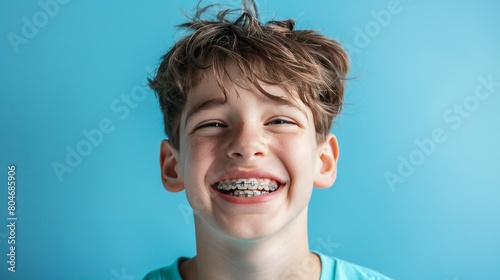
(329,154)
(170,175)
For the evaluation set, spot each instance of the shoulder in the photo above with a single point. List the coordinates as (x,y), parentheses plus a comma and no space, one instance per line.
(337,269)
(170,272)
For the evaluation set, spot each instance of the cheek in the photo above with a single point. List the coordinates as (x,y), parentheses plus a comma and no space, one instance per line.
(301,148)
(198,157)
(300,157)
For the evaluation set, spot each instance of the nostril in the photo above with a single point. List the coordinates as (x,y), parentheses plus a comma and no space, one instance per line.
(237,155)
(247,155)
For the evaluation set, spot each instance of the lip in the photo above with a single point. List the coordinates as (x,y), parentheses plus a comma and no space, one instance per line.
(241,174)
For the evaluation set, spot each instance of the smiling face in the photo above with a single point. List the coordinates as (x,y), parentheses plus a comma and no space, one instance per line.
(247,163)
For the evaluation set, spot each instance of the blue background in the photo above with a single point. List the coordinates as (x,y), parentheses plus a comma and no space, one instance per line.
(110,218)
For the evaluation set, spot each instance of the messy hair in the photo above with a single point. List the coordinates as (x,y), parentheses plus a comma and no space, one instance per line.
(308,66)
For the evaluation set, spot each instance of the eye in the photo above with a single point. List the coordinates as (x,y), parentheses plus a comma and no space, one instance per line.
(210,125)
(280,121)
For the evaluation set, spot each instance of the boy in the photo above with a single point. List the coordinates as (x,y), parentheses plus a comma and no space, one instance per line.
(248,109)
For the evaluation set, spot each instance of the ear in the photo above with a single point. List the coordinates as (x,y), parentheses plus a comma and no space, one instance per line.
(170,175)
(328,156)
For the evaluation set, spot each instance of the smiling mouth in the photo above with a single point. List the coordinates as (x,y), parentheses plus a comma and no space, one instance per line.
(247,187)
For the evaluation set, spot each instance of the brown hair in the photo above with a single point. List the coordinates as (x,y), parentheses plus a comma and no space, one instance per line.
(300,60)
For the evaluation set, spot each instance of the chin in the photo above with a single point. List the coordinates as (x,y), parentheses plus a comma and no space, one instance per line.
(248,230)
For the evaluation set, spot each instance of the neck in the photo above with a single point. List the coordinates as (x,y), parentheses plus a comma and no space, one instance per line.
(283,255)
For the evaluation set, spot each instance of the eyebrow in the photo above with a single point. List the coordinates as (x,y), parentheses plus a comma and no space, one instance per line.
(208,104)
(283,102)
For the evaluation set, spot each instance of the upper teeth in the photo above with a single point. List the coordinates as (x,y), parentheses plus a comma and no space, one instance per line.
(248,184)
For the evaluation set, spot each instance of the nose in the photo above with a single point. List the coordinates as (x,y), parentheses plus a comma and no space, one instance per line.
(248,143)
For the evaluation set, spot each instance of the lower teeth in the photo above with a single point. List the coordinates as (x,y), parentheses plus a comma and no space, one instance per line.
(247,193)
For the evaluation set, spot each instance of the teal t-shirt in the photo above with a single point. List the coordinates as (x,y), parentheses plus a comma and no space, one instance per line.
(331,269)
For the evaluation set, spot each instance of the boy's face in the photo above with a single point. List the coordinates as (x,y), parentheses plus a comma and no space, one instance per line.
(233,154)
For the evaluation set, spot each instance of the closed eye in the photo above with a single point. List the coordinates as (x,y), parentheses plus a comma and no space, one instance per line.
(210,124)
(280,122)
